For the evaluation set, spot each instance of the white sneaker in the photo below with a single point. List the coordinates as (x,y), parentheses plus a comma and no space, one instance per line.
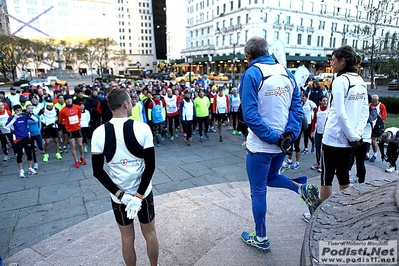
(21,173)
(6,158)
(35,166)
(390,169)
(244,144)
(31,171)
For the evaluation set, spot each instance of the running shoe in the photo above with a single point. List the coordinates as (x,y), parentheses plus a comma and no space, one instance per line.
(31,171)
(244,144)
(187,143)
(390,169)
(373,158)
(77,165)
(172,139)
(158,145)
(239,133)
(295,166)
(21,173)
(45,157)
(65,150)
(252,240)
(316,166)
(6,158)
(201,139)
(319,170)
(230,128)
(305,151)
(213,129)
(221,139)
(234,132)
(163,138)
(313,149)
(85,150)
(194,132)
(61,151)
(206,135)
(58,156)
(309,193)
(35,166)
(176,135)
(306,216)
(82,161)
(285,166)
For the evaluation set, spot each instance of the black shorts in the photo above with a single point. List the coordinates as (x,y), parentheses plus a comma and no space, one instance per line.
(145,215)
(221,117)
(75,134)
(50,132)
(62,128)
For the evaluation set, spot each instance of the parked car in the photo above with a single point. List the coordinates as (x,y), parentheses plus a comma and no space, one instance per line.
(168,76)
(326,82)
(221,77)
(194,77)
(54,79)
(40,82)
(212,76)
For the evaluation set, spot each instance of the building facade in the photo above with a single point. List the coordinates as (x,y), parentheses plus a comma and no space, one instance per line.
(4,21)
(217,30)
(135,25)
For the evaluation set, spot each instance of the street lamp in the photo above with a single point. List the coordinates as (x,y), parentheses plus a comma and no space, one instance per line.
(105,56)
(138,64)
(190,61)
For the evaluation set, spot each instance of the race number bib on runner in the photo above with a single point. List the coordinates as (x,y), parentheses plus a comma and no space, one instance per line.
(73,119)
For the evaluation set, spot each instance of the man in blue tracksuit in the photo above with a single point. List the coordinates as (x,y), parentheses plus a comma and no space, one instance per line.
(272,110)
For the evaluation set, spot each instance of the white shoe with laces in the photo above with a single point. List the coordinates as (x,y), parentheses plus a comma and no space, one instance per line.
(21,173)
(31,171)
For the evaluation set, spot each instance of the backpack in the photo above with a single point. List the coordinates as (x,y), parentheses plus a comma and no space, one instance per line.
(378,127)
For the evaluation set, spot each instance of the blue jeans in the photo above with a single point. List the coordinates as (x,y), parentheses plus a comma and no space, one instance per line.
(263,171)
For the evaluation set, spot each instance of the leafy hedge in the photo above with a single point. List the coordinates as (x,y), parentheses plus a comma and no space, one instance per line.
(3,79)
(392,104)
(19,82)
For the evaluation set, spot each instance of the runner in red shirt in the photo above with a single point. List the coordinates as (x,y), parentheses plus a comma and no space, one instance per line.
(70,117)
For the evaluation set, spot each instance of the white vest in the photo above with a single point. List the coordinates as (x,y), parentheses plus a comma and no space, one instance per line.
(235,103)
(3,121)
(49,116)
(221,106)
(274,101)
(188,111)
(171,106)
(321,117)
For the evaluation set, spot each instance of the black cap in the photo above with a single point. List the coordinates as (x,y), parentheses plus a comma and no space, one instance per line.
(13,89)
(2,92)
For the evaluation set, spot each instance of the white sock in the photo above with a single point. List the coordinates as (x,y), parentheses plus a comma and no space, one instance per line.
(260,239)
(289,161)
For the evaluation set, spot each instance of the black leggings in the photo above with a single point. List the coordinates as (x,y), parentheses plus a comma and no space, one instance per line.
(360,154)
(234,116)
(172,119)
(24,143)
(38,139)
(335,161)
(307,136)
(3,139)
(188,128)
(205,121)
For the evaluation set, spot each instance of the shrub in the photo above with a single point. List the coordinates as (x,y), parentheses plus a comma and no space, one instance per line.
(4,80)
(392,104)
(19,82)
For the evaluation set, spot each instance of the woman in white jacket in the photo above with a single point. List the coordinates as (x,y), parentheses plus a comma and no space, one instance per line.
(346,120)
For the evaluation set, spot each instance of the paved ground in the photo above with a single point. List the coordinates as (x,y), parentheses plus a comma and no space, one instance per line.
(34,211)
(59,196)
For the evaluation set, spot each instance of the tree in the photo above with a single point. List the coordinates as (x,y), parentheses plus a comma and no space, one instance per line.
(37,53)
(15,53)
(378,15)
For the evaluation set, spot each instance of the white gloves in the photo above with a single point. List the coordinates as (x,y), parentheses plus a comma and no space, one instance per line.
(133,205)
(126,198)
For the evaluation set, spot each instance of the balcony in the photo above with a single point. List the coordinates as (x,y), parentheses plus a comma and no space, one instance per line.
(288,26)
(277,25)
(310,29)
(300,28)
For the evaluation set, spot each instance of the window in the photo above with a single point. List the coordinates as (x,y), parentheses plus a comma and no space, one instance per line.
(231,6)
(17,10)
(320,41)
(276,35)
(231,22)
(288,20)
(239,4)
(309,40)
(238,20)
(287,38)
(247,18)
(299,41)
